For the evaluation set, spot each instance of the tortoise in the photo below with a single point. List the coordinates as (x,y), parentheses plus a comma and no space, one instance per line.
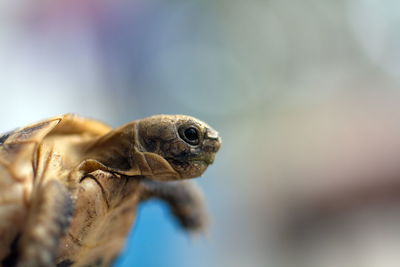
(69,185)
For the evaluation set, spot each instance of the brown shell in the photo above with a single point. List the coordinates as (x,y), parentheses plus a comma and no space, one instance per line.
(20,168)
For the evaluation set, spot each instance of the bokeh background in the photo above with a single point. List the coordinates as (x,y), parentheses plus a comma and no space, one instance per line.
(304,93)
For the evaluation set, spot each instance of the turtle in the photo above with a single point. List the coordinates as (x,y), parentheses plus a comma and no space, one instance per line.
(70,186)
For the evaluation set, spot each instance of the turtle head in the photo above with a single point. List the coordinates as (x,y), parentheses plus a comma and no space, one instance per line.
(186,144)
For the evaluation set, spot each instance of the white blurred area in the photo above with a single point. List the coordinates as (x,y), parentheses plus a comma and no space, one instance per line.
(48,64)
(305,95)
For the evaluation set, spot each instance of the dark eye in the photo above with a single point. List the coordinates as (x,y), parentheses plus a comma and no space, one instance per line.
(190,135)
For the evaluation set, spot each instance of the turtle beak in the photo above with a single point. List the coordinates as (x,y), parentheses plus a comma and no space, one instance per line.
(211,144)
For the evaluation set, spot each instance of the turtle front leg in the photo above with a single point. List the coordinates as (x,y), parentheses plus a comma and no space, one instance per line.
(49,216)
(185,200)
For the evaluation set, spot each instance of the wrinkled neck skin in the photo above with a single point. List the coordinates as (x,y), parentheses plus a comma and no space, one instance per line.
(120,151)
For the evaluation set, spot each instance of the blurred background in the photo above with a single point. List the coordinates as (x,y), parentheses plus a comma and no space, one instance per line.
(304,93)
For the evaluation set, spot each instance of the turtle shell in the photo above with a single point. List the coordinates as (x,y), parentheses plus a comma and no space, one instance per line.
(19,167)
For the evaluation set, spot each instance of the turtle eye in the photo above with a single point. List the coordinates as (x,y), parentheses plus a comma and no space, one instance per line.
(190,135)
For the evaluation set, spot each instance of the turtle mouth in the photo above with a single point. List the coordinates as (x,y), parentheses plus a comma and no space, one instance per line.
(189,168)
(205,159)
(187,162)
